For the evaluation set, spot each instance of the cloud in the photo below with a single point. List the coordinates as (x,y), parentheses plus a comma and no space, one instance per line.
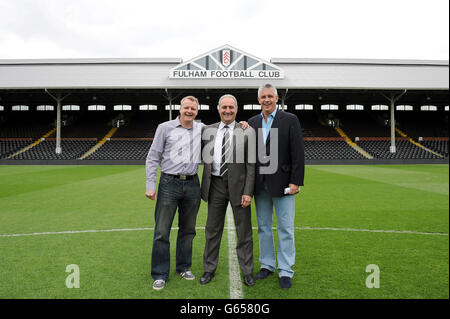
(267,29)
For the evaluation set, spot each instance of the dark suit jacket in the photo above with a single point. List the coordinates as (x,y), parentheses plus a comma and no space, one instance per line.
(241,175)
(291,159)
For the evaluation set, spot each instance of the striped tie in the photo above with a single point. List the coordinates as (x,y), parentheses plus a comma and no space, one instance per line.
(225,150)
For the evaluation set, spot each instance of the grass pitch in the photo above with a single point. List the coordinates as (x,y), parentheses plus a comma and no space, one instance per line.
(347,217)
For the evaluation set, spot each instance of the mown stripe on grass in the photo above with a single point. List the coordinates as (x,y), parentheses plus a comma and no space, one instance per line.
(233,264)
(229,229)
(372,230)
(397,176)
(25,182)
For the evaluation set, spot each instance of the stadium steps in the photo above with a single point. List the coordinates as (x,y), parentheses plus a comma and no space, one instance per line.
(352,144)
(417,143)
(99,144)
(33,144)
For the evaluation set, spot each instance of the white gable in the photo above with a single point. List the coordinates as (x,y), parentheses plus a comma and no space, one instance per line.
(226,62)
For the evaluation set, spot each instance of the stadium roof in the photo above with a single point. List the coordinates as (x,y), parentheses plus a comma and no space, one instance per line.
(360,61)
(221,68)
(91,61)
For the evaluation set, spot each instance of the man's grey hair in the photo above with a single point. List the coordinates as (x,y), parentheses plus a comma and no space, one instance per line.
(229,96)
(267,86)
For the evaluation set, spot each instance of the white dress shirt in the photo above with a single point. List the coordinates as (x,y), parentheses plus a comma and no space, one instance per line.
(218,146)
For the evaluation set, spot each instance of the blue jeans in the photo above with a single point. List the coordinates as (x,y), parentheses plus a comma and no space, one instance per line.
(174,193)
(285,210)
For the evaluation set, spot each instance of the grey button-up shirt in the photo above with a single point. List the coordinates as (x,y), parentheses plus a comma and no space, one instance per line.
(175,149)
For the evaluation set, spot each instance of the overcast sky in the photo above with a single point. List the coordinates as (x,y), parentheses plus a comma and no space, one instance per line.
(363,29)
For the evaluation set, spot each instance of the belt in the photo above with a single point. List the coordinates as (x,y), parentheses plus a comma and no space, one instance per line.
(182,177)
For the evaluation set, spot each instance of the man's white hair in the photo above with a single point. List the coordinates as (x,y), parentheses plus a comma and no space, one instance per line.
(267,86)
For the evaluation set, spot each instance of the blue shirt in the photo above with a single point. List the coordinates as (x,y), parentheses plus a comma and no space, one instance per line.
(267,126)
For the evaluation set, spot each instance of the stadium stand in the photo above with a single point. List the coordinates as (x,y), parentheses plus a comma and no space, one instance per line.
(71,150)
(140,125)
(363,124)
(11,146)
(21,134)
(314,125)
(87,125)
(26,125)
(122,149)
(333,149)
(437,145)
(422,124)
(379,148)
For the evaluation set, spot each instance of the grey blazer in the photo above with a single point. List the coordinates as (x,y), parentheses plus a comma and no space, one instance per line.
(241,173)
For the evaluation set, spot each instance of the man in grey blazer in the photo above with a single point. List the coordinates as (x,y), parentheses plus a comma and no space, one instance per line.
(228,177)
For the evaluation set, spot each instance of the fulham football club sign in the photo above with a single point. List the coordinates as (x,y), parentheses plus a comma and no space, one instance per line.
(226,62)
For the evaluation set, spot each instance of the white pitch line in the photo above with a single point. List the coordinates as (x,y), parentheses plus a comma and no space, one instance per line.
(74,232)
(232,227)
(233,264)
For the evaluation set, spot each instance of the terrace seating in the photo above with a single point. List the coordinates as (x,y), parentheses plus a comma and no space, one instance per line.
(330,150)
(133,140)
(122,150)
(439,146)
(404,150)
(9,147)
(71,149)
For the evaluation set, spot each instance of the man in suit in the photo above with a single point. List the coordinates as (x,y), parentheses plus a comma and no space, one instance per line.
(228,177)
(279,176)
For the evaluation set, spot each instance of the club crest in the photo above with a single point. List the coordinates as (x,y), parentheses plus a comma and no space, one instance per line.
(226,57)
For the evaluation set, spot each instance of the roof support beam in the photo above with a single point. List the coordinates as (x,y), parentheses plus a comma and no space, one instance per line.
(393,98)
(58,98)
(283,98)
(170,99)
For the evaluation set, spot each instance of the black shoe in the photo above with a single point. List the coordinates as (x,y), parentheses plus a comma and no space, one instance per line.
(285,282)
(263,274)
(249,280)
(206,278)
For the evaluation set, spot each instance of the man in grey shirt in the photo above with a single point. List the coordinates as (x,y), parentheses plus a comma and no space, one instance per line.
(176,149)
